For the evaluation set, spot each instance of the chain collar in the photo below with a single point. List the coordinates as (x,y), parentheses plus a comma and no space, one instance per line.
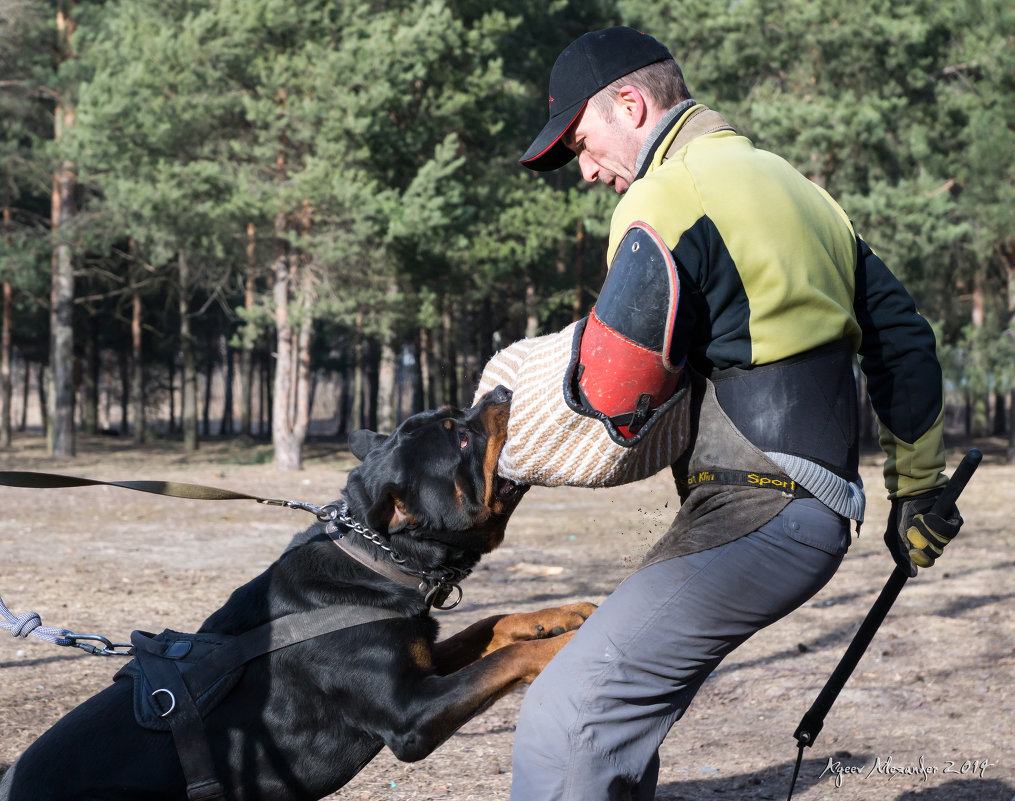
(436,587)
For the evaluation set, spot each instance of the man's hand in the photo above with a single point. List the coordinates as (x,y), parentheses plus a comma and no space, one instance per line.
(916,536)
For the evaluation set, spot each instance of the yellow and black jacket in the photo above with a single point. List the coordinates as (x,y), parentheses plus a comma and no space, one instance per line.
(770,269)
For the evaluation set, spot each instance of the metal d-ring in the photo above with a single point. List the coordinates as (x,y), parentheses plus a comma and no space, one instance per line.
(172,699)
(439,594)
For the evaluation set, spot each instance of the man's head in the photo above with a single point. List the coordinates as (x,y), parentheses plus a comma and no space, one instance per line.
(607,90)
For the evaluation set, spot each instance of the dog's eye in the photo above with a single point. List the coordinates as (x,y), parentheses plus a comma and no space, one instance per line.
(463,439)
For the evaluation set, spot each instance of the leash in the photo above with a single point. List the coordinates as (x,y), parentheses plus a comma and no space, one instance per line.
(435,587)
(30,623)
(159,657)
(174,489)
(813,720)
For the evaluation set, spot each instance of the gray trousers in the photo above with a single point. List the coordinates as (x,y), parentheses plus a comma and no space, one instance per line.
(591,724)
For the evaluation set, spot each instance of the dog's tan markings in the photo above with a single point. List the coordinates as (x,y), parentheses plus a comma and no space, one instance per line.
(447,425)
(495,419)
(400,517)
(420,653)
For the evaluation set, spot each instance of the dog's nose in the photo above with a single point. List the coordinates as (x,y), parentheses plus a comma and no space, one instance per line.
(499,394)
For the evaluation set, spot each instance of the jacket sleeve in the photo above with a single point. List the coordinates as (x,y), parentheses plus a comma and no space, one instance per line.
(898,356)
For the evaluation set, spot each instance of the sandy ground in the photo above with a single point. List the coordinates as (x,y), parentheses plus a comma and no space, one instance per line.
(929,713)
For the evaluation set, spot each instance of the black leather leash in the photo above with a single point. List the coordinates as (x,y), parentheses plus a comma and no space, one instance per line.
(810,725)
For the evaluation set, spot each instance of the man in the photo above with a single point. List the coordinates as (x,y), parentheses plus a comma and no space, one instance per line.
(777,296)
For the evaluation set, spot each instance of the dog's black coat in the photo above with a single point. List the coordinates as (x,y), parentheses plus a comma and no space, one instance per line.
(303,720)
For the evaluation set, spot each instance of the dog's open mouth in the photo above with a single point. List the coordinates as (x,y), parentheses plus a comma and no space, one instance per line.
(506,490)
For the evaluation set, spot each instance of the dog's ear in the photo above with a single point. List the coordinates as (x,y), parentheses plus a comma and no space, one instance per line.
(390,516)
(401,518)
(363,441)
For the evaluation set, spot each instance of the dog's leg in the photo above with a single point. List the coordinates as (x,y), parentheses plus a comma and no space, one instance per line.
(493,633)
(438,706)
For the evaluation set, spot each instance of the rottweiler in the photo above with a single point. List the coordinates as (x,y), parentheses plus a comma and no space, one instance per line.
(293,707)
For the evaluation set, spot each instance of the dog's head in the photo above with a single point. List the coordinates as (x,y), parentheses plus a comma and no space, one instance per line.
(435,479)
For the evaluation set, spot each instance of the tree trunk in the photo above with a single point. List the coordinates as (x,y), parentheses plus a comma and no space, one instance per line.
(1007,257)
(6,317)
(267,381)
(247,351)
(90,406)
(188,412)
(25,387)
(387,369)
(1011,428)
(304,382)
(979,407)
(1000,413)
(6,384)
(471,362)
(228,357)
(137,383)
(285,457)
(61,341)
(171,370)
(356,392)
(290,414)
(531,319)
(123,365)
(449,357)
(60,429)
(209,376)
(370,363)
(425,360)
(43,382)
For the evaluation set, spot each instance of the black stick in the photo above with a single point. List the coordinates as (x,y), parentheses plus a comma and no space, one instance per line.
(810,725)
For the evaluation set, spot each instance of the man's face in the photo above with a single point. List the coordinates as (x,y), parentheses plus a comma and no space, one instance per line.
(607,151)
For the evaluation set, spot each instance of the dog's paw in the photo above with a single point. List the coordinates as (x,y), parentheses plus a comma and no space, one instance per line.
(540,652)
(539,625)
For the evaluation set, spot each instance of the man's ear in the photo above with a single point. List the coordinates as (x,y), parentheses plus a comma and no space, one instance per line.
(363,441)
(633,104)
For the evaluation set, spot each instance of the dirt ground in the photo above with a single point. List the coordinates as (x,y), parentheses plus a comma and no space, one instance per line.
(929,713)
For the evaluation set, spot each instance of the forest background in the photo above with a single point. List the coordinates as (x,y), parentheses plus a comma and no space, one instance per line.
(219,213)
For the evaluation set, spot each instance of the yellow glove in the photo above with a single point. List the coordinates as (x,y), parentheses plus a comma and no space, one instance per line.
(916,536)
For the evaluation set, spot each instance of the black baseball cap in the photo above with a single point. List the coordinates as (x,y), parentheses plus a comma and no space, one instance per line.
(588,64)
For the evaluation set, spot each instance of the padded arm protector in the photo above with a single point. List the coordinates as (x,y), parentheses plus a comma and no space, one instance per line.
(625,370)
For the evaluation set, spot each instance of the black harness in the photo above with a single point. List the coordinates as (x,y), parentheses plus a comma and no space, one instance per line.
(179,678)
